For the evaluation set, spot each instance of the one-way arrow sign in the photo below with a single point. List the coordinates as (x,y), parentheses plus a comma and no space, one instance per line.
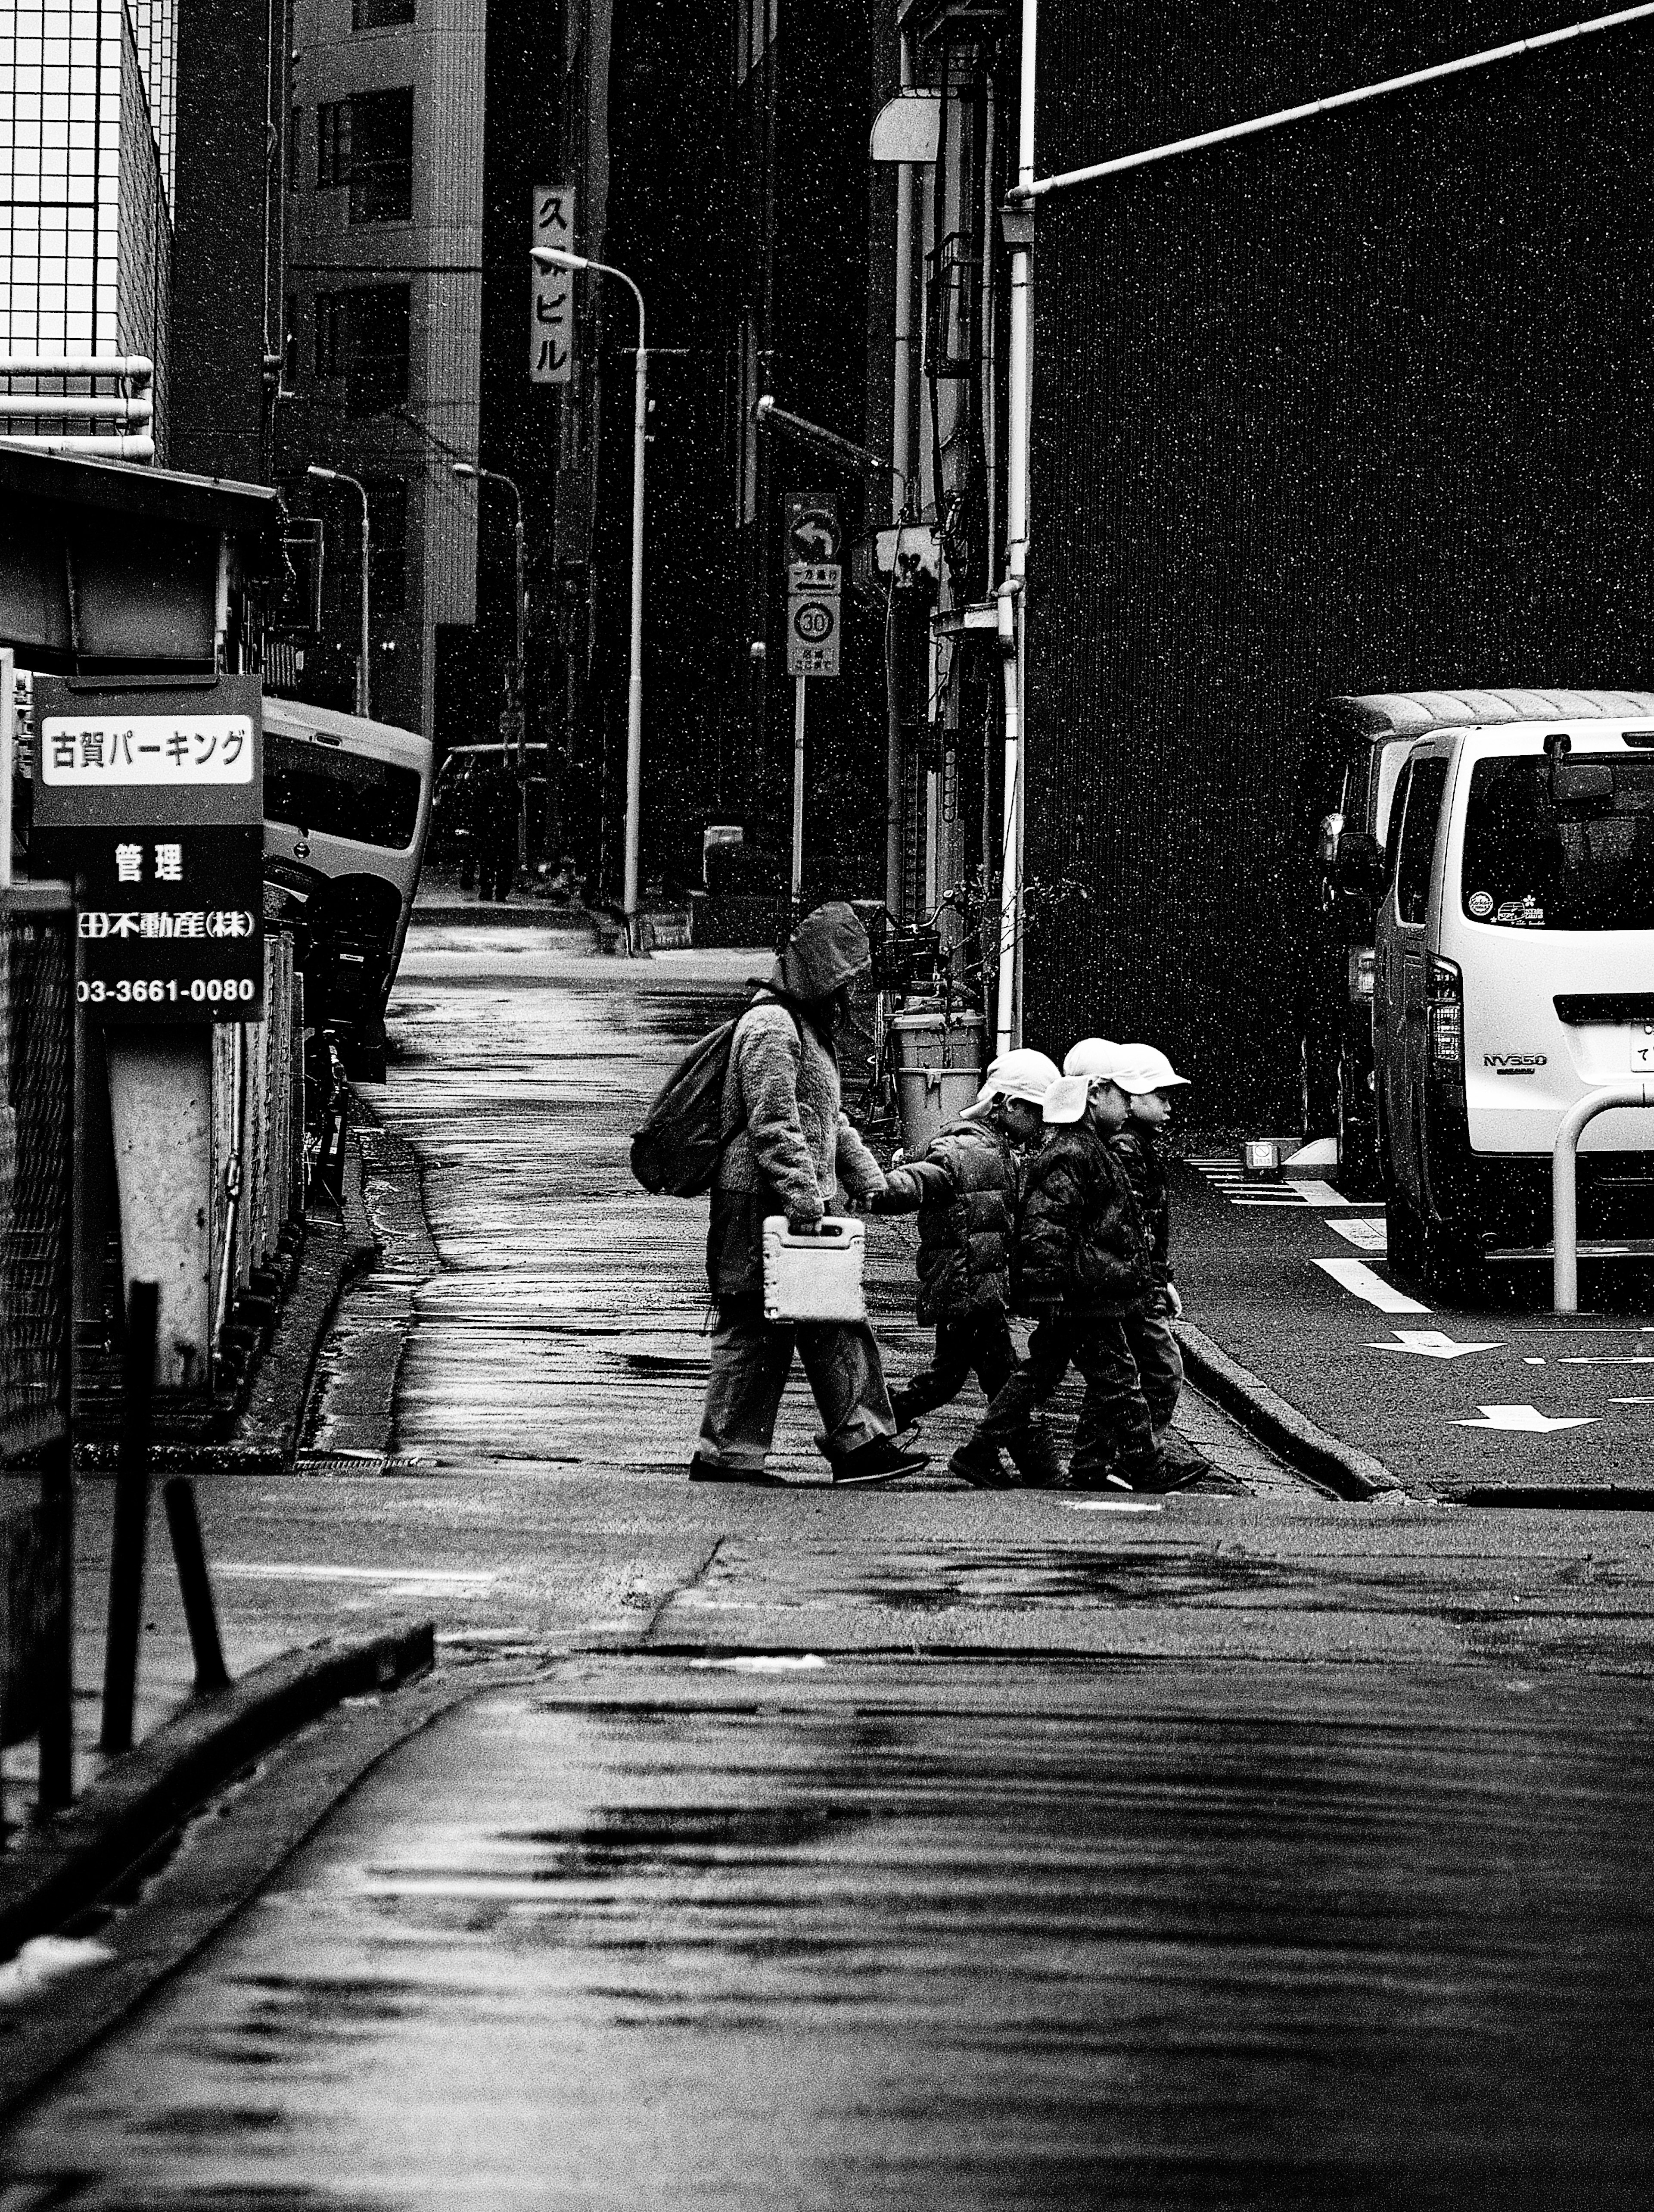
(1526,1418)
(1430,1343)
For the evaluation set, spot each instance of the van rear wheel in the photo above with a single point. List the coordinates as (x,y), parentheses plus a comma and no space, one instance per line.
(1358,1151)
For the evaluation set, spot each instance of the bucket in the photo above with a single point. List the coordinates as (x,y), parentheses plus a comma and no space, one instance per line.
(938,1072)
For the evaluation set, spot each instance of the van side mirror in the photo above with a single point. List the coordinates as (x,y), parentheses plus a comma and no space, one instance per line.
(1326,843)
(1360,863)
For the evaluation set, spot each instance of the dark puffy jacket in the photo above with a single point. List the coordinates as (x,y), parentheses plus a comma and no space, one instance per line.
(964,1187)
(1083,1246)
(1137,1148)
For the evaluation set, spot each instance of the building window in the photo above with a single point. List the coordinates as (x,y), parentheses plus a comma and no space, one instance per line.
(387,549)
(333,144)
(362,335)
(382,156)
(376,358)
(368,143)
(374,15)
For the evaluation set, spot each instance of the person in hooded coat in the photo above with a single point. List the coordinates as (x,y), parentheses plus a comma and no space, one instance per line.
(790,1149)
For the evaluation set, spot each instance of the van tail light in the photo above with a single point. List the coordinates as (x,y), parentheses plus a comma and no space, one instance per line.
(1363,974)
(1446,1006)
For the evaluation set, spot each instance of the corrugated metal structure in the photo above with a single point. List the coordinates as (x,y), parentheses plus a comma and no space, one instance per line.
(1353,407)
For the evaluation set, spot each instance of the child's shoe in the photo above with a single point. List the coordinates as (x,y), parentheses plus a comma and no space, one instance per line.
(1038,1460)
(979,1464)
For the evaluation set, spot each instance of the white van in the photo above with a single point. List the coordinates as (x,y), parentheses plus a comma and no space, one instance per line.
(1515,973)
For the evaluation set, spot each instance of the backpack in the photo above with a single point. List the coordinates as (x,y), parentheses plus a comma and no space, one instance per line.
(676,1152)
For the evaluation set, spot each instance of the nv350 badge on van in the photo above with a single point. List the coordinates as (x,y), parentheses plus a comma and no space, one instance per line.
(1514,975)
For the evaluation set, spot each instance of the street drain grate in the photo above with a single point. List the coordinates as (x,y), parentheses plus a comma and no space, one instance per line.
(358,1462)
(1579,1497)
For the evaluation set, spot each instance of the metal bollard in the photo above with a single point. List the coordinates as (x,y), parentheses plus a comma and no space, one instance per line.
(1565,1194)
(195,1586)
(120,1661)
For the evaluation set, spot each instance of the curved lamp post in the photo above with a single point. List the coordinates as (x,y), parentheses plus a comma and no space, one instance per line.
(338,476)
(553,256)
(464,469)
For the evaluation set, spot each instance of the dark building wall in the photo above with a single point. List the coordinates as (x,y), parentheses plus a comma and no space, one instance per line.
(668,95)
(823,215)
(520,424)
(690,214)
(1362,406)
(216,391)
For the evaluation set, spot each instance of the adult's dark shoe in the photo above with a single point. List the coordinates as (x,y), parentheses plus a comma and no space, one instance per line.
(706,1470)
(882,1461)
(979,1463)
(1038,1462)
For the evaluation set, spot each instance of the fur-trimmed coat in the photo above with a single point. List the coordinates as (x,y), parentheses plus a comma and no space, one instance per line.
(794,1147)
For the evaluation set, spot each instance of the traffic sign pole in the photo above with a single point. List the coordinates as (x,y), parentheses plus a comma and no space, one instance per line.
(799,683)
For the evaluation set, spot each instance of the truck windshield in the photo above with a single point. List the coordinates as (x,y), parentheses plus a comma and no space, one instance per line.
(338,793)
(1528,866)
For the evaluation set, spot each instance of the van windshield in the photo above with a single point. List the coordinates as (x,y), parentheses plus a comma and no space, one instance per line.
(337,793)
(1526,866)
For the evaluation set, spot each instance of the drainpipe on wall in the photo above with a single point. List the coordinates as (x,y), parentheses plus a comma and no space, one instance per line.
(1018,219)
(901,457)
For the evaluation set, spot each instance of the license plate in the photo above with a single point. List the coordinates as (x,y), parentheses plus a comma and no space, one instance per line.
(1641,1039)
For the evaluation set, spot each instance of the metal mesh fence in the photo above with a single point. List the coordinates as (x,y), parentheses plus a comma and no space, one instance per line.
(37,1122)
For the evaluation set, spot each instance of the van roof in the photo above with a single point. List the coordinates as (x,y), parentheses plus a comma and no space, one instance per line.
(1414,713)
(283,714)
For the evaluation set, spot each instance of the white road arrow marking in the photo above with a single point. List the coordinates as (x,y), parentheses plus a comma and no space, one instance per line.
(1354,1275)
(1526,1419)
(1631,1401)
(1431,1344)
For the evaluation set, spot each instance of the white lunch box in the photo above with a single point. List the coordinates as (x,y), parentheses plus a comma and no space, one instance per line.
(817,1276)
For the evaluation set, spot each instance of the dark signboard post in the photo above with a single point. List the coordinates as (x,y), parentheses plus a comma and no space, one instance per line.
(151,802)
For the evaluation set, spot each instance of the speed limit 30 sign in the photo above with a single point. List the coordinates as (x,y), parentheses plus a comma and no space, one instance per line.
(812,633)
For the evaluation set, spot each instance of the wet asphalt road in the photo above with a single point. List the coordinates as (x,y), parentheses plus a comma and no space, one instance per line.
(877,1935)
(917,1848)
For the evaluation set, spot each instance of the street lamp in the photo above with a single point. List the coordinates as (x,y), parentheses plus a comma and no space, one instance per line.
(338,476)
(553,256)
(496,475)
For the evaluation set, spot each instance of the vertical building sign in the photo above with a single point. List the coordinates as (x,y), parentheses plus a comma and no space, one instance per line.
(551,311)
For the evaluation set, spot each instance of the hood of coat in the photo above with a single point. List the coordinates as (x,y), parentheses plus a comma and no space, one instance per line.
(828,947)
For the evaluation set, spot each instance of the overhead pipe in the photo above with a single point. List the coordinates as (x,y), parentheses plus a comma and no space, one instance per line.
(133,367)
(122,407)
(1027,190)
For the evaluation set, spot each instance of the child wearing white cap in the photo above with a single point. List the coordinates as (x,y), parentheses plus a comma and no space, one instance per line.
(965,1187)
(1085,1266)
(1148,1078)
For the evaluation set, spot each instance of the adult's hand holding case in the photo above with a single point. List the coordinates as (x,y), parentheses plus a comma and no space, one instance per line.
(816,1274)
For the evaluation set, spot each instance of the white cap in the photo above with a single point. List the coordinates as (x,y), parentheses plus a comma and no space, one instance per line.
(1092,1056)
(1143,1067)
(1023,1073)
(1067,1099)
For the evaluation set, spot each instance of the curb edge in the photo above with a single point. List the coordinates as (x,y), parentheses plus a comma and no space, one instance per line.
(1352,1475)
(143,1797)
